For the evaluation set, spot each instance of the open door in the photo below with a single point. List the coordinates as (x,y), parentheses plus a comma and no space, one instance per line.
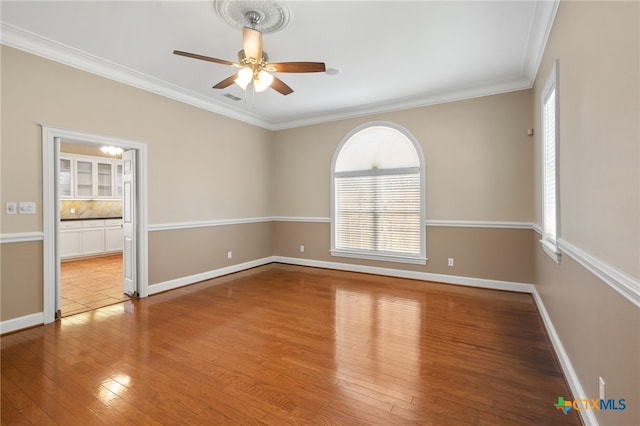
(56,217)
(130,282)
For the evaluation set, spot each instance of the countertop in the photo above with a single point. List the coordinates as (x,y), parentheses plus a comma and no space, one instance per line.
(90,218)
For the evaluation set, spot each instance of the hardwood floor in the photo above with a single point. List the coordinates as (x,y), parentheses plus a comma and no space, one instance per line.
(289,345)
(91,283)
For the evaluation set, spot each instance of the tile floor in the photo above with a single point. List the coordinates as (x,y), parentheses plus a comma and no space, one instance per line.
(92,283)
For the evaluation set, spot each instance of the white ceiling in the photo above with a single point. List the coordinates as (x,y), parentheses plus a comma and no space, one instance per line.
(391,54)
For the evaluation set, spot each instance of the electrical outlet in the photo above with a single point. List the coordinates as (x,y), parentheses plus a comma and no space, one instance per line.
(450,261)
(229,255)
(12,208)
(601,388)
(301,248)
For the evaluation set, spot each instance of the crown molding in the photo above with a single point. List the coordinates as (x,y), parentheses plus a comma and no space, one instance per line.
(541,22)
(35,44)
(540,27)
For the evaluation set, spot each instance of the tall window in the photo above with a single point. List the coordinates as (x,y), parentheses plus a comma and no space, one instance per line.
(378,195)
(550,165)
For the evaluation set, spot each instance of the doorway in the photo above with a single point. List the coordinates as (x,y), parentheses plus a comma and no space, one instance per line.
(90,283)
(130,265)
(90,236)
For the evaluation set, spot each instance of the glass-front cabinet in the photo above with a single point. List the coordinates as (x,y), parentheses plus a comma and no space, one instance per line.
(65,184)
(86,177)
(105,179)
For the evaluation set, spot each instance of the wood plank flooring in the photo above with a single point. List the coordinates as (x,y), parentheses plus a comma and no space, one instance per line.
(91,283)
(289,345)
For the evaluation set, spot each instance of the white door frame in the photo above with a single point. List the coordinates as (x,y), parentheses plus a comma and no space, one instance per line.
(51,210)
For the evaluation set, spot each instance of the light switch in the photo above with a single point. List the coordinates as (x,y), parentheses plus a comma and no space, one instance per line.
(27,207)
(12,208)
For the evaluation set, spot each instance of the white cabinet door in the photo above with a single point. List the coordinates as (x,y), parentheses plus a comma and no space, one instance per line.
(92,241)
(84,178)
(70,243)
(104,179)
(92,237)
(65,183)
(113,236)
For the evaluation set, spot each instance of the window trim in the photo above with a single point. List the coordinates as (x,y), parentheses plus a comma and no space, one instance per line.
(421,258)
(550,245)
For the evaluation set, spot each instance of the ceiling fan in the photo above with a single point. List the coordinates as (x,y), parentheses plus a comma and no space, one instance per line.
(254,65)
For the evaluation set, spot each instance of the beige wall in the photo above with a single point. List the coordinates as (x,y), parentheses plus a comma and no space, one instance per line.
(198,161)
(478,160)
(180,253)
(598,45)
(492,254)
(21,279)
(201,166)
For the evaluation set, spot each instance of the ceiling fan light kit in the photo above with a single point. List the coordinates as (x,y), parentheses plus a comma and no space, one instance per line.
(255,18)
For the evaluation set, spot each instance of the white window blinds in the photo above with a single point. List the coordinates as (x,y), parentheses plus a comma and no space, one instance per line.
(549,167)
(379,212)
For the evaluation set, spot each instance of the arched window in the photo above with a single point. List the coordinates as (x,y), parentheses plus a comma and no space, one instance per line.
(378,195)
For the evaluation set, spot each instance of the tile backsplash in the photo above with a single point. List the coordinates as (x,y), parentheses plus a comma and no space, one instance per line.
(87,209)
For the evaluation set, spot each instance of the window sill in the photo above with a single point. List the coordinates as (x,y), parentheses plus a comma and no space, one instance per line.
(551,250)
(421,260)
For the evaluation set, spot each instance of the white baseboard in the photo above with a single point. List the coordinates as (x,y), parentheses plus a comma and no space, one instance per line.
(20,323)
(192,279)
(588,417)
(416,275)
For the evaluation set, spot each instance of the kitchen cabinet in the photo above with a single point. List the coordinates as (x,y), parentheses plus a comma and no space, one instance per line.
(69,241)
(113,237)
(87,177)
(65,182)
(90,237)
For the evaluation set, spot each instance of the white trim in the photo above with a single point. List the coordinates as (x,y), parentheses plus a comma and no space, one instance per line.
(21,237)
(206,223)
(301,219)
(541,23)
(415,275)
(625,284)
(551,250)
(39,236)
(620,281)
(479,224)
(537,228)
(310,219)
(192,279)
(21,323)
(570,374)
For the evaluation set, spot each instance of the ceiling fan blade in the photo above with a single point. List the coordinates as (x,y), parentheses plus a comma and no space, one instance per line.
(226,82)
(203,58)
(297,67)
(280,86)
(252,43)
